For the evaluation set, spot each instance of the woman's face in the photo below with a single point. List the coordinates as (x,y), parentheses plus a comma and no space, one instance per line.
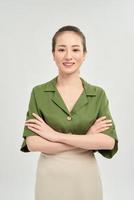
(68,54)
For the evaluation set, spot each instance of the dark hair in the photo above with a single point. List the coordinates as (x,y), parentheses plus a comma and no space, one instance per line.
(69,28)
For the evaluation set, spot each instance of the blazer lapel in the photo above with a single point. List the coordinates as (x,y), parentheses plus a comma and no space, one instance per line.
(89,90)
(82,101)
(56,98)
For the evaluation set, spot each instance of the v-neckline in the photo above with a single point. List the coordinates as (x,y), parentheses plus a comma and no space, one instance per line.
(78,99)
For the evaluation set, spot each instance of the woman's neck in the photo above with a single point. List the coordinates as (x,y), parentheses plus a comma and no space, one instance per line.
(69,81)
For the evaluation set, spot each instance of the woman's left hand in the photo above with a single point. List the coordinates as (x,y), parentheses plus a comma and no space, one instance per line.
(39,126)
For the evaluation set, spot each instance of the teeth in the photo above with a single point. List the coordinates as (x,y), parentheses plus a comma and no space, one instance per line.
(68,64)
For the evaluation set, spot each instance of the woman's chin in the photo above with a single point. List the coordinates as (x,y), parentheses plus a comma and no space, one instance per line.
(69,71)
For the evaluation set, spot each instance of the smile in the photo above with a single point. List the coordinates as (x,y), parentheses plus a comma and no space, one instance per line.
(68,63)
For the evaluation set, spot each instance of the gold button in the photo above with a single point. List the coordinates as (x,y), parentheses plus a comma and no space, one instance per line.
(69,118)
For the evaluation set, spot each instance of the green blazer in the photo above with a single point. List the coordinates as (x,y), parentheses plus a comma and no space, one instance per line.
(47,102)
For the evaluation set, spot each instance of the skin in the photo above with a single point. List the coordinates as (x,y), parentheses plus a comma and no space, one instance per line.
(68,48)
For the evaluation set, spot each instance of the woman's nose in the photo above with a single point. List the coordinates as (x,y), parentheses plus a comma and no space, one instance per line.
(68,55)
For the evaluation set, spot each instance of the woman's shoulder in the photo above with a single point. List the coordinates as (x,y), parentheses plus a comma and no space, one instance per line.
(44,86)
(98,89)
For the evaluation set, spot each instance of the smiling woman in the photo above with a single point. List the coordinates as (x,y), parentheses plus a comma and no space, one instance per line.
(69,50)
(67,121)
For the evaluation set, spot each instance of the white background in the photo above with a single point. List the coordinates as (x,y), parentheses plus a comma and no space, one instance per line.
(26,29)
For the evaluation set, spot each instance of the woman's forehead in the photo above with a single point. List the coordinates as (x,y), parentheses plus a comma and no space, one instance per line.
(69,38)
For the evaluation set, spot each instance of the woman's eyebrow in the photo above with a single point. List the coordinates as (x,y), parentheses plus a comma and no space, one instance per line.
(62,45)
(75,45)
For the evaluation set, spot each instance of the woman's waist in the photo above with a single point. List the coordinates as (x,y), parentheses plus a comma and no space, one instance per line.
(71,153)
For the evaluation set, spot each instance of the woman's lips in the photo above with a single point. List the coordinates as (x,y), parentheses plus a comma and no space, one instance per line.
(68,63)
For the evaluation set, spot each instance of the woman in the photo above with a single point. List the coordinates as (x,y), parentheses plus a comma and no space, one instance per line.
(68,120)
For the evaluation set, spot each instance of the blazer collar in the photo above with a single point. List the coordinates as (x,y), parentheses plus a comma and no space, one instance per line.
(89,89)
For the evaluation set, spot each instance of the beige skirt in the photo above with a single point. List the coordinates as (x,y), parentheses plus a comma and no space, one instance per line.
(70,175)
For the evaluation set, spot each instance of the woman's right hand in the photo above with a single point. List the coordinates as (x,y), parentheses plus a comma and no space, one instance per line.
(100,125)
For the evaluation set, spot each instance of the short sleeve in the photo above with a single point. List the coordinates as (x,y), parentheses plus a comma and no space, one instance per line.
(105,111)
(27,132)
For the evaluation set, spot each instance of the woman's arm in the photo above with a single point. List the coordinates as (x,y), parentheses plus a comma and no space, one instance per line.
(88,141)
(37,143)
(94,139)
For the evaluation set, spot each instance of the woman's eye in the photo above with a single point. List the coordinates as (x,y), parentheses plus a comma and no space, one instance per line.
(60,49)
(64,50)
(75,49)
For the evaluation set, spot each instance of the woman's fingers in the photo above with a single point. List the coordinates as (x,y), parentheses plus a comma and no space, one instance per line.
(99,127)
(100,130)
(103,121)
(104,125)
(33,126)
(100,119)
(101,124)
(34,130)
(33,121)
(106,121)
(38,120)
(38,117)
